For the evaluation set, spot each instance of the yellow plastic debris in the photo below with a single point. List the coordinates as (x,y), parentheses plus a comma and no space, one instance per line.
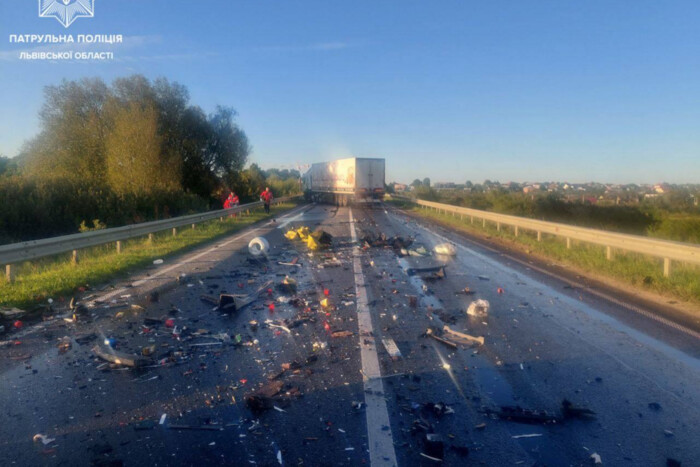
(312,243)
(325,303)
(291,235)
(303,232)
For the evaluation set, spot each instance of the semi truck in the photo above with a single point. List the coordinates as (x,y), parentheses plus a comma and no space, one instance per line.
(344,181)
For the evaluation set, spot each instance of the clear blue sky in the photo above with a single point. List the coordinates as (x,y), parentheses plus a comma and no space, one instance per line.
(453,90)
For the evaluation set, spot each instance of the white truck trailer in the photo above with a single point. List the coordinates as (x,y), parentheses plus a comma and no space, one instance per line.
(344,181)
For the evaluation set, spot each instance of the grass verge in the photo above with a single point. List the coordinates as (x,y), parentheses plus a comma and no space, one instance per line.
(634,269)
(55,277)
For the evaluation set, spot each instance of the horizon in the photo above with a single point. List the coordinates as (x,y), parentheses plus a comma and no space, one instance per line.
(503,91)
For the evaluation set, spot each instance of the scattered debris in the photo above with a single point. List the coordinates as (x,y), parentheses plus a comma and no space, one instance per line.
(64,344)
(456,335)
(569,410)
(259,246)
(520,415)
(595,457)
(12,313)
(391,347)
(341,334)
(120,358)
(430,333)
(261,399)
(158,261)
(478,308)
(529,435)
(434,447)
(43,438)
(446,249)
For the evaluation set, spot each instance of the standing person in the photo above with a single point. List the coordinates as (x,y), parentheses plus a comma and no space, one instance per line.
(266,197)
(231,202)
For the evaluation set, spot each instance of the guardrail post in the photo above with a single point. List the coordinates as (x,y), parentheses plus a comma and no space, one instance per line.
(516,231)
(119,246)
(483,223)
(539,236)
(568,243)
(9,273)
(150,238)
(193,226)
(667,267)
(221,219)
(498,226)
(608,253)
(75,259)
(174,231)
(472,219)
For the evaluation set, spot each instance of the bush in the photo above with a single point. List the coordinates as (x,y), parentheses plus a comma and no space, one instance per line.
(34,209)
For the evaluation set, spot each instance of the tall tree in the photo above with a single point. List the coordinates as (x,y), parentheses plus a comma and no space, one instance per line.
(71,143)
(135,164)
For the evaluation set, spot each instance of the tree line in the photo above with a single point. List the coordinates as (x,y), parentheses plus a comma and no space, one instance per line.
(130,151)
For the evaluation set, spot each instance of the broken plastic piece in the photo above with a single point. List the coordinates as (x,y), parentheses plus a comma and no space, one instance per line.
(466,337)
(391,347)
(120,358)
(445,249)
(43,438)
(258,246)
(478,308)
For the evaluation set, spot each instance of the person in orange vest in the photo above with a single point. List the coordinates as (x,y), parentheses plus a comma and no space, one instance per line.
(266,197)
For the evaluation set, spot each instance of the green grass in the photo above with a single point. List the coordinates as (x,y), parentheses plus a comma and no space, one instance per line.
(634,269)
(55,277)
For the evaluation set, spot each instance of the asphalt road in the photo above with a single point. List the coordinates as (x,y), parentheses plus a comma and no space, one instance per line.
(304,384)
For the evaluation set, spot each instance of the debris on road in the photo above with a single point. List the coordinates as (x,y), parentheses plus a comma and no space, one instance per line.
(391,347)
(569,410)
(478,308)
(456,335)
(43,438)
(520,415)
(261,399)
(64,344)
(595,457)
(434,447)
(528,435)
(120,358)
(430,333)
(446,249)
(12,313)
(341,333)
(259,246)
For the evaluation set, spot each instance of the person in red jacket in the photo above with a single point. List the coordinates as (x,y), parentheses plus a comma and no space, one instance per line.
(266,197)
(231,202)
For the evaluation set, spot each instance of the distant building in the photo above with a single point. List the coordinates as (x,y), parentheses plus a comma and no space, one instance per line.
(398,187)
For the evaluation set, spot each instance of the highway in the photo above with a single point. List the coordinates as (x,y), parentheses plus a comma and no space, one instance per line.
(288,381)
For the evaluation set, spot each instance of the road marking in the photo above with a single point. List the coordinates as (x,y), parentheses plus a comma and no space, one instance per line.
(380,439)
(191,259)
(292,219)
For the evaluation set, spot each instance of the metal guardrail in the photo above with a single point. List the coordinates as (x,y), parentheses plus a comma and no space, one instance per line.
(26,251)
(665,249)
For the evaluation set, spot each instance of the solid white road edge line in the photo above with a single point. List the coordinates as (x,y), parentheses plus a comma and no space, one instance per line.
(193,258)
(380,439)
